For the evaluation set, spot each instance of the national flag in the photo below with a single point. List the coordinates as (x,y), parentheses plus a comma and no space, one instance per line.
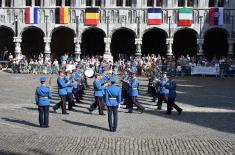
(185,17)
(216,16)
(154,16)
(92,16)
(31,15)
(61,15)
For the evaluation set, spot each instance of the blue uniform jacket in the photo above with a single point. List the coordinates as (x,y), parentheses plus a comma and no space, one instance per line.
(172,89)
(98,88)
(104,79)
(113,95)
(69,87)
(43,96)
(132,88)
(162,86)
(62,86)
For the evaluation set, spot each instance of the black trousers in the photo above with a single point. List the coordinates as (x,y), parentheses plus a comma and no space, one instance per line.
(125,97)
(133,101)
(43,116)
(70,100)
(112,117)
(61,104)
(161,98)
(98,103)
(171,103)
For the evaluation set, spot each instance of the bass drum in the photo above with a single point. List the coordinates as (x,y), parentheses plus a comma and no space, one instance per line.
(89,72)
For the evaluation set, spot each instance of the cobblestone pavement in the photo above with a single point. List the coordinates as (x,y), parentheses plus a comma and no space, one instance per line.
(207,125)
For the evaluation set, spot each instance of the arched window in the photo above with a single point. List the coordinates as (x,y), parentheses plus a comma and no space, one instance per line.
(88,2)
(119,2)
(181,3)
(67,2)
(211,3)
(37,2)
(221,3)
(8,3)
(159,3)
(58,2)
(190,3)
(97,2)
(150,3)
(128,3)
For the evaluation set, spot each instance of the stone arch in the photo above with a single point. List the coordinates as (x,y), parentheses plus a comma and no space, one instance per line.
(154,41)
(7,45)
(92,41)
(215,43)
(185,42)
(123,43)
(32,42)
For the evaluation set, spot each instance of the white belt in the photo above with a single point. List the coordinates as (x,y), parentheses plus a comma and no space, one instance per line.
(112,98)
(134,88)
(44,97)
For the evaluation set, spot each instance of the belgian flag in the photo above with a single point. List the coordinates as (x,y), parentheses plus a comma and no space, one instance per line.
(92,16)
(61,15)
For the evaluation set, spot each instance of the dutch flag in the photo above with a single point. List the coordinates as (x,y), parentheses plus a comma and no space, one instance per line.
(154,16)
(31,15)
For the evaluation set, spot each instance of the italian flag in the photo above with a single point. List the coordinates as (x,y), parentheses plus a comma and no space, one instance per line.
(185,17)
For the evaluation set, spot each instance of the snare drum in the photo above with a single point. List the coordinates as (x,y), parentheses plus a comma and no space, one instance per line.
(89,72)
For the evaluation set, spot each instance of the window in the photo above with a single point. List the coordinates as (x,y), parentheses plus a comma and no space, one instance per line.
(181,3)
(150,3)
(8,3)
(159,3)
(58,2)
(67,2)
(97,2)
(211,3)
(190,2)
(119,2)
(88,2)
(0,3)
(220,3)
(37,2)
(128,2)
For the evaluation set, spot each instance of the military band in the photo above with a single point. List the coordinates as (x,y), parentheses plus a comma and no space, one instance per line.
(107,93)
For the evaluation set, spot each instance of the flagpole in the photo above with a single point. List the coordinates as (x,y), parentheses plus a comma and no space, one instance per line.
(232,35)
(16,25)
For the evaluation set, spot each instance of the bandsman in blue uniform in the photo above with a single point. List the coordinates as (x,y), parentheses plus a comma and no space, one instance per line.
(132,91)
(42,98)
(98,93)
(75,86)
(62,91)
(69,90)
(163,91)
(112,101)
(171,85)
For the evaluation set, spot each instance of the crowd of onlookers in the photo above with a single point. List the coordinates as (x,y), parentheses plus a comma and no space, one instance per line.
(143,65)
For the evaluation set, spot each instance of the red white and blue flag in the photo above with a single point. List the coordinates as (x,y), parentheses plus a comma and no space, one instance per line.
(154,16)
(31,15)
(216,16)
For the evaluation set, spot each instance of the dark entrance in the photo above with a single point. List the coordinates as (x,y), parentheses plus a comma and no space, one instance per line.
(7,45)
(185,43)
(123,44)
(62,42)
(215,43)
(93,42)
(32,42)
(154,42)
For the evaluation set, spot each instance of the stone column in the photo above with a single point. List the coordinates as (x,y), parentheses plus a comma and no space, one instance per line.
(18,53)
(77,52)
(107,46)
(47,52)
(169,42)
(231,42)
(200,49)
(138,43)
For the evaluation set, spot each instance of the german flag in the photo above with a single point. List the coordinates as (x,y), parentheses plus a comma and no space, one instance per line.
(61,15)
(92,17)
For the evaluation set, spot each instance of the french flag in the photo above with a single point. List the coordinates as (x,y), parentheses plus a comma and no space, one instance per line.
(154,16)
(31,15)
(216,16)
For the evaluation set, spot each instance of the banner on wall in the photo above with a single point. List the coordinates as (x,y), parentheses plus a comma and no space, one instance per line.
(203,70)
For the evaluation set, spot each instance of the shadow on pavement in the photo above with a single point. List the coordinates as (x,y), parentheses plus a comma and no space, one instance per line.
(21,122)
(86,125)
(221,121)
